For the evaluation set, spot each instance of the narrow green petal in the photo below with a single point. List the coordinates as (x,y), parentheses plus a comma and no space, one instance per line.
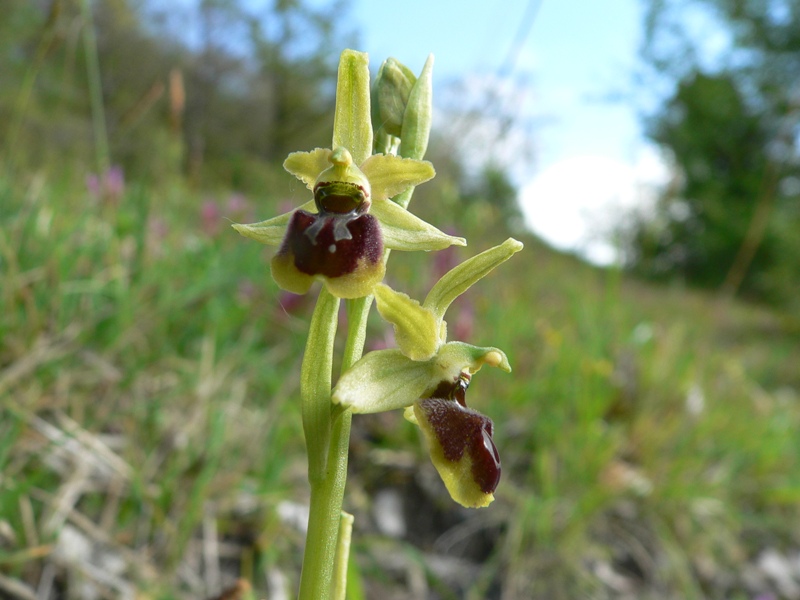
(307,166)
(404,231)
(418,115)
(390,175)
(459,279)
(271,231)
(415,328)
(384,380)
(352,126)
(454,357)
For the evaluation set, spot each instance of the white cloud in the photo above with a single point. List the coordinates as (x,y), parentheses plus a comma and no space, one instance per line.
(575,203)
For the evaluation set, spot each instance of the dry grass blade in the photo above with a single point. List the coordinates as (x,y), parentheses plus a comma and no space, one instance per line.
(44,351)
(16,589)
(237,592)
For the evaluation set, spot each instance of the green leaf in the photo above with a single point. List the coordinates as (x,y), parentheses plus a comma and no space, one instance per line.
(459,279)
(384,380)
(352,126)
(271,231)
(415,328)
(390,175)
(405,231)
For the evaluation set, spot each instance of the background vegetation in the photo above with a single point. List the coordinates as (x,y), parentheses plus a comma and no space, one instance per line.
(730,125)
(150,438)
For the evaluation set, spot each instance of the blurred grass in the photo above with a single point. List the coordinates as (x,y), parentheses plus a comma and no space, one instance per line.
(148,385)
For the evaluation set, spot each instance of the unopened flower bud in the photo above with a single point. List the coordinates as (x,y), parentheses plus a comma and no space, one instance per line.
(392,89)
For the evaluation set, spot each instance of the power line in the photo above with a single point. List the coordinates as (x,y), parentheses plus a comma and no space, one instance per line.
(523,31)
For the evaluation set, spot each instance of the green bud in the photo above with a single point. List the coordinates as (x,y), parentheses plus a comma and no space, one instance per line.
(392,90)
(419,113)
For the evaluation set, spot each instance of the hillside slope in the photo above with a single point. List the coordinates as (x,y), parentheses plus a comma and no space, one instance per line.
(150,438)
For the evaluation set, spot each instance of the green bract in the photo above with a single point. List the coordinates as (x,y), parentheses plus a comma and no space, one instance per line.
(420,329)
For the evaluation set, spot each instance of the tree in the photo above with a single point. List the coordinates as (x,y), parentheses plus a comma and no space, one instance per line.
(218,89)
(731,125)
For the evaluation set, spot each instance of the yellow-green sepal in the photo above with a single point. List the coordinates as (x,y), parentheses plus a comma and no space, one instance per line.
(271,231)
(405,231)
(352,126)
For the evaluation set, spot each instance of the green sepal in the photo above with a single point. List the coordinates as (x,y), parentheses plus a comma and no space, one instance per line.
(459,279)
(271,231)
(416,330)
(352,126)
(383,380)
(390,175)
(404,231)
(307,166)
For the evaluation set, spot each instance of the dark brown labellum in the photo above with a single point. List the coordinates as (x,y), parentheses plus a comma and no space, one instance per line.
(332,245)
(456,390)
(459,430)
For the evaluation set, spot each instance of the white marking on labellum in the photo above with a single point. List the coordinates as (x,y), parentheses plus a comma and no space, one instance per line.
(332,248)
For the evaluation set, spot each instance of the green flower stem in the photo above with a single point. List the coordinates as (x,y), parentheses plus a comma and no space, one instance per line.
(327,431)
(357,313)
(327,482)
(322,539)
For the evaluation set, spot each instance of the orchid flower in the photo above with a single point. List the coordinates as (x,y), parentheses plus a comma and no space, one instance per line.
(428,377)
(341,234)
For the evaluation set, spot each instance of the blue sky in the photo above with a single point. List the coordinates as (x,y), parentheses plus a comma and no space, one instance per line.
(591,158)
